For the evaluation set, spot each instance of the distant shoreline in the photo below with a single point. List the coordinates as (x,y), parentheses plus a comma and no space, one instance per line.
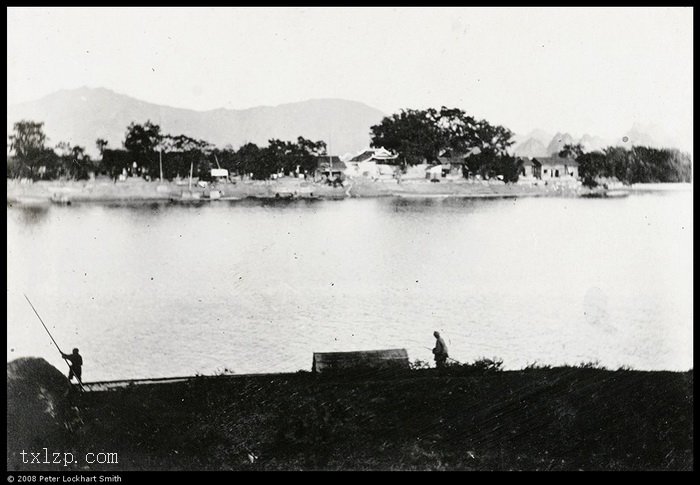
(138,190)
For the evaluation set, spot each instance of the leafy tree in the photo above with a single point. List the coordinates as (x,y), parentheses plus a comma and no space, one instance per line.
(144,138)
(180,152)
(590,166)
(184,143)
(571,151)
(267,161)
(247,160)
(308,152)
(489,164)
(278,156)
(414,134)
(101,144)
(423,135)
(637,165)
(458,130)
(509,167)
(287,157)
(27,139)
(482,163)
(616,163)
(73,162)
(492,138)
(32,158)
(80,164)
(142,142)
(679,166)
(115,161)
(202,166)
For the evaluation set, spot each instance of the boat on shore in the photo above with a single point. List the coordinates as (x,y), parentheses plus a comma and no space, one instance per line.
(296,195)
(606,194)
(61,199)
(617,193)
(420,196)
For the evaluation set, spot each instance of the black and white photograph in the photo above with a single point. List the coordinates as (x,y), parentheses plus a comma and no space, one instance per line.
(247,239)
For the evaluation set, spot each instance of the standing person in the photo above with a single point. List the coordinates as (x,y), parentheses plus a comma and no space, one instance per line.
(440,350)
(76,365)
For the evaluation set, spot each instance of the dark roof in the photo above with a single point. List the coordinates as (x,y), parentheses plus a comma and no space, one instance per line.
(455,154)
(323,162)
(556,160)
(372,154)
(529,161)
(452,160)
(374,359)
(362,157)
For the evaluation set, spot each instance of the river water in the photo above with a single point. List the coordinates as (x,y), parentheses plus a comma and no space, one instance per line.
(151,290)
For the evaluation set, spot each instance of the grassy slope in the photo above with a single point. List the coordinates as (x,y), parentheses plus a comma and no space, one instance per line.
(545,419)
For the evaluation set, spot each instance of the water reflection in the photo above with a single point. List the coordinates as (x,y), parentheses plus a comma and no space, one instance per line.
(31,215)
(147,210)
(444,204)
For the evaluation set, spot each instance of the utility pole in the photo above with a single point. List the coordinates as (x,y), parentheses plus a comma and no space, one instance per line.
(160,145)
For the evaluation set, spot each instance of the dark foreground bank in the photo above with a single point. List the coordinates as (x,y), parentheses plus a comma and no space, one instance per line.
(465,418)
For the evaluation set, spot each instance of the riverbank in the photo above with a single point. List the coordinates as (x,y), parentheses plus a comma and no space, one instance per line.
(465,418)
(43,192)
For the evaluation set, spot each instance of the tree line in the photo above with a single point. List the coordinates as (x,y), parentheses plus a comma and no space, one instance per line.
(638,164)
(417,136)
(149,153)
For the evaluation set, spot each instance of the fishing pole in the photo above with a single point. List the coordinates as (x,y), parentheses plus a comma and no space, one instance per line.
(450,358)
(42,323)
(82,388)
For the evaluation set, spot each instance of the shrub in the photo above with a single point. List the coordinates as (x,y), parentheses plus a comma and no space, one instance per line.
(488,365)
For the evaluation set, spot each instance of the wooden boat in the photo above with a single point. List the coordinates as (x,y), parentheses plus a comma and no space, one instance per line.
(360,360)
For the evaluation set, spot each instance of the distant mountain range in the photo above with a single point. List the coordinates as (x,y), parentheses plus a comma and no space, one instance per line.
(80,116)
(539,143)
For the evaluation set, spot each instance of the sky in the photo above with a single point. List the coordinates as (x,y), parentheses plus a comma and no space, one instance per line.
(581,70)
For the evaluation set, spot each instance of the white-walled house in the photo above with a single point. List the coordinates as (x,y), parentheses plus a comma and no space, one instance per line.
(546,168)
(371,162)
(416,172)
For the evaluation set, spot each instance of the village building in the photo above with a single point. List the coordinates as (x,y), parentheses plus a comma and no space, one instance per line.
(452,164)
(554,167)
(372,162)
(435,172)
(219,175)
(415,172)
(330,167)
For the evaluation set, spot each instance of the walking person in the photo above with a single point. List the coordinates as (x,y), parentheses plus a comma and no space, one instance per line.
(439,351)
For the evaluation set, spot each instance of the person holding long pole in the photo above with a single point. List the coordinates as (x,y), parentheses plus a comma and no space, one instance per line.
(74,360)
(76,366)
